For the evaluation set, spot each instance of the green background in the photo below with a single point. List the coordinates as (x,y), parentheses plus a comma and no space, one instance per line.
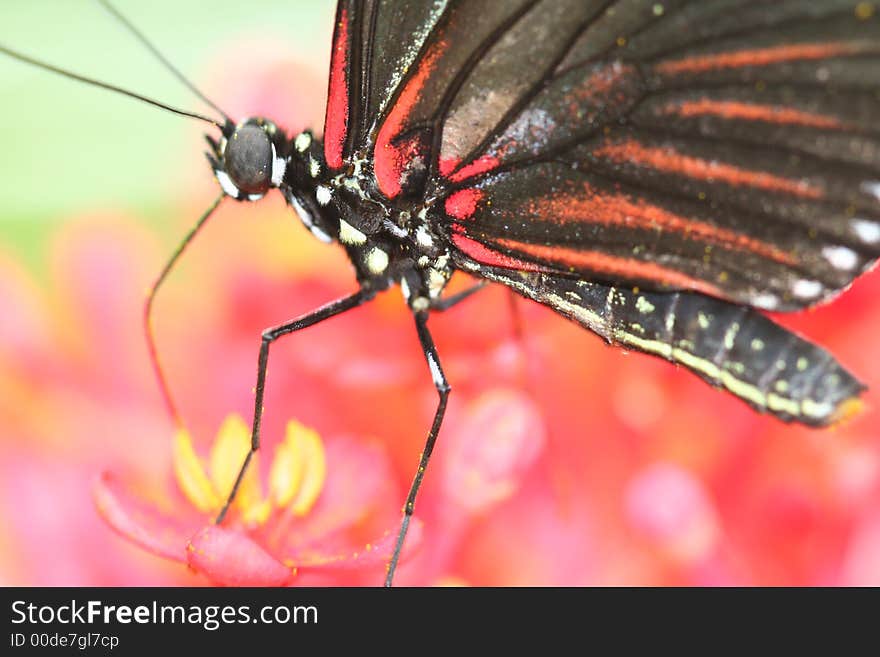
(69,148)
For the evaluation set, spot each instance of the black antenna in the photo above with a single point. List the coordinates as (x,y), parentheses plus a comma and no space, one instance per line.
(158,55)
(103,85)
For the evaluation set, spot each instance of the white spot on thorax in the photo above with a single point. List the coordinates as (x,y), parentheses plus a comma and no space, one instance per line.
(841,257)
(314,167)
(302,142)
(323,194)
(376,260)
(423,238)
(348,234)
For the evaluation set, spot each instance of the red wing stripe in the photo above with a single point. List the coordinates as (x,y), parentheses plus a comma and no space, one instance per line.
(612,266)
(763,56)
(482,254)
(475,168)
(336,120)
(728,109)
(447,165)
(463,203)
(620,210)
(391,158)
(671,161)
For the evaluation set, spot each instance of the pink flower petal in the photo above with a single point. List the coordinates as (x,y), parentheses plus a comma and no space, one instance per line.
(487,456)
(140,521)
(671,507)
(353,556)
(231,558)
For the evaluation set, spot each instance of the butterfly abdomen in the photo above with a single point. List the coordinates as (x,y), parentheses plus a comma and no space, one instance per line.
(732,347)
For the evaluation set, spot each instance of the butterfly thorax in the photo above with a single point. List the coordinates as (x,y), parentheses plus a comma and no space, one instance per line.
(386,242)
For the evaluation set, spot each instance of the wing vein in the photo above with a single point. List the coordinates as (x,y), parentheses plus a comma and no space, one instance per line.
(548,76)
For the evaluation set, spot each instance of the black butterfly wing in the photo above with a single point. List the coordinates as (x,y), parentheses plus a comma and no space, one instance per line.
(730,148)
(374,43)
(393,63)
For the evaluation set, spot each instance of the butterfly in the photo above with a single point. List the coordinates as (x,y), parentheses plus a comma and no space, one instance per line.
(658,172)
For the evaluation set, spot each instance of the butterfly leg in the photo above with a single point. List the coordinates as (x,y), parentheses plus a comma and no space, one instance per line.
(441,305)
(519,337)
(148,312)
(269,336)
(443,390)
(516,318)
(446,303)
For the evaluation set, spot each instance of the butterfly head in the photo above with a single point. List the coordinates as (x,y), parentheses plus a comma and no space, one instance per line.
(249,159)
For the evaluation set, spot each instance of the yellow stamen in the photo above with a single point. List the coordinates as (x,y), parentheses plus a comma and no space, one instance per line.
(315,471)
(257,514)
(295,481)
(287,471)
(298,470)
(227,455)
(191,476)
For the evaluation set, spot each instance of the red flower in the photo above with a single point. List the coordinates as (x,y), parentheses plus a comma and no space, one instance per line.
(318,505)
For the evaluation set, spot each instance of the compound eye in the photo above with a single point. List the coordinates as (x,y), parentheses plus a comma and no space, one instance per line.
(248,159)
